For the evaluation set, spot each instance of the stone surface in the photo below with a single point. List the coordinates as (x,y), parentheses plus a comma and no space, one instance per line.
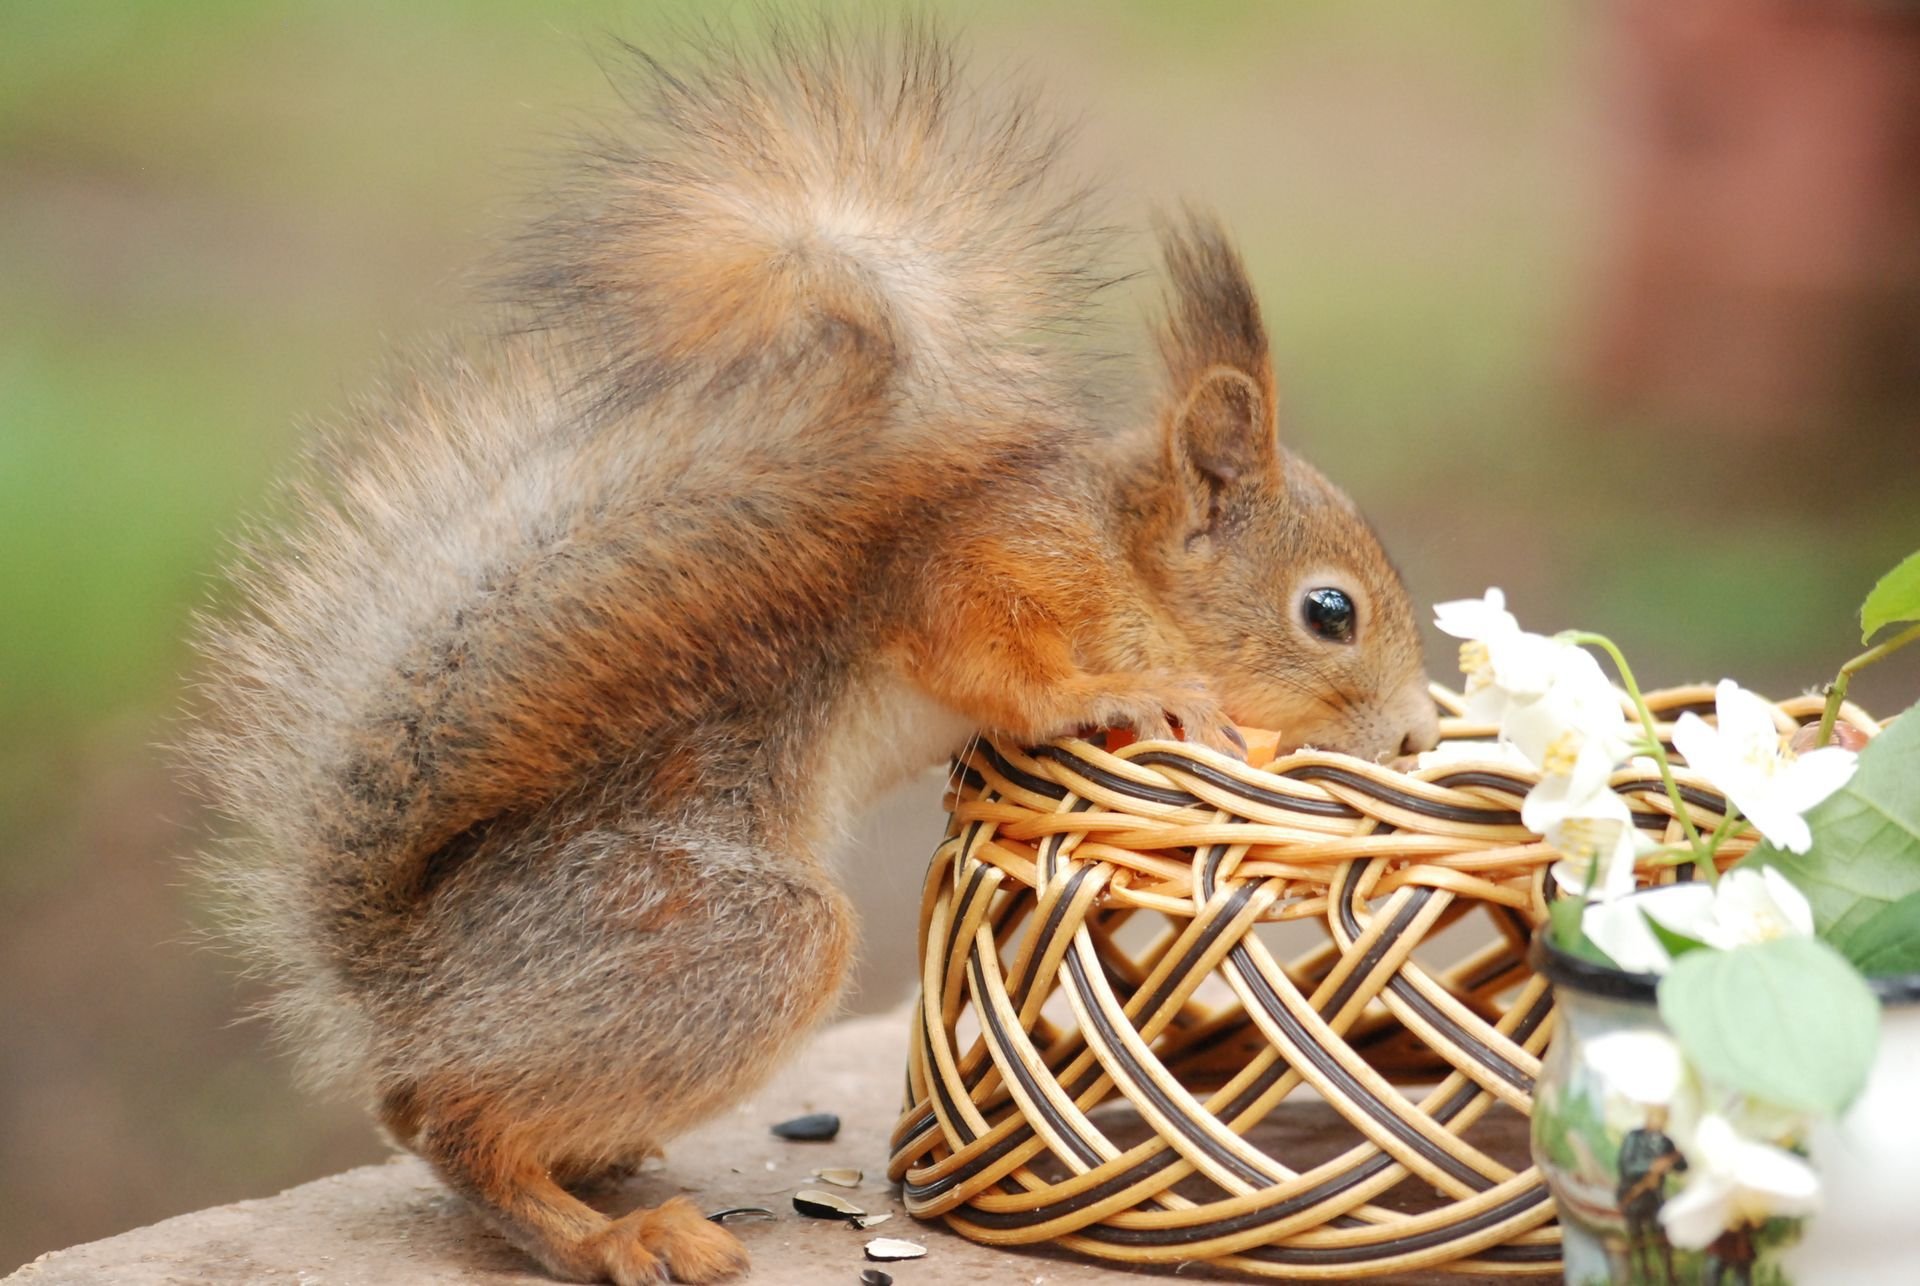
(394,1225)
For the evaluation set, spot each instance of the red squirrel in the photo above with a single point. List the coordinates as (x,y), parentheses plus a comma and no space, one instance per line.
(790,469)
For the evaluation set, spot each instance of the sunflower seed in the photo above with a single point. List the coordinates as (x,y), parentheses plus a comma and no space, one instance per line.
(840,1178)
(741,1212)
(864,1222)
(815,1204)
(817,1128)
(887,1249)
(874,1277)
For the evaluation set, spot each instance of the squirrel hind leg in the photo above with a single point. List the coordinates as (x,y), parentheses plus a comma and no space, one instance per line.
(490,1155)
(592,1174)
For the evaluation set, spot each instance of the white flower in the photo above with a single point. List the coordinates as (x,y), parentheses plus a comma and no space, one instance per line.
(1476,618)
(1596,828)
(1750,907)
(1619,927)
(1579,707)
(1732,1181)
(1502,662)
(1744,908)
(1745,759)
(1547,695)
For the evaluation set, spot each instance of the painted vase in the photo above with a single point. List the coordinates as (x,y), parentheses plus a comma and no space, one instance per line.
(1611,1166)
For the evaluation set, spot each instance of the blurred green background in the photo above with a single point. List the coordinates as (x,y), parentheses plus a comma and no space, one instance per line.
(215,217)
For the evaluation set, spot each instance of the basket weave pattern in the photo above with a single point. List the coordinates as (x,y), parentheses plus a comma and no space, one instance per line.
(1092,938)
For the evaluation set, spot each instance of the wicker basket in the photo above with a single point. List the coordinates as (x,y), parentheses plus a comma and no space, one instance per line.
(1112,1054)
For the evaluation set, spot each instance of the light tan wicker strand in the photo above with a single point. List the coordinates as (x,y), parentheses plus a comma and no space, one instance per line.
(1111,1052)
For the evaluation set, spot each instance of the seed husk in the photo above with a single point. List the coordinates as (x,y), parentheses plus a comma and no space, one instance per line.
(741,1212)
(874,1277)
(815,1204)
(840,1178)
(888,1249)
(815,1128)
(864,1222)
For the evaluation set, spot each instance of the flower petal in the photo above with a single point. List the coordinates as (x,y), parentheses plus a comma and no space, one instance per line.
(1814,776)
(1684,908)
(1475,618)
(1526,665)
(1699,744)
(1582,793)
(1746,718)
(1790,902)
(1602,834)
(1569,876)
(1773,818)
(1752,906)
(1617,928)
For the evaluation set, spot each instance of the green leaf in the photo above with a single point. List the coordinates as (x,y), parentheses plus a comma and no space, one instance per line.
(1866,838)
(1789,1022)
(1888,944)
(1677,944)
(1896,599)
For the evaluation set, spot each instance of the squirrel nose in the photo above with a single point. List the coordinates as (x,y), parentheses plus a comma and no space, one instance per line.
(1424,734)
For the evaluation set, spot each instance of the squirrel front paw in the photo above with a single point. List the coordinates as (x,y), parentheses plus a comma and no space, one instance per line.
(1166,707)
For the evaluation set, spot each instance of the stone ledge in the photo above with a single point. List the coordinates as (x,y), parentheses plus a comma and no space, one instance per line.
(394,1225)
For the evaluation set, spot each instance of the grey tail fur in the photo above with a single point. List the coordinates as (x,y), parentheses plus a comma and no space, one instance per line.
(814,197)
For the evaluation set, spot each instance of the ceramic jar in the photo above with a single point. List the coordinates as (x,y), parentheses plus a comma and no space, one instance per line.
(1599,1137)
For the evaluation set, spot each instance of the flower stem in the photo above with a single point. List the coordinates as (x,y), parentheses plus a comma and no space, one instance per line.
(1705,865)
(1837,690)
(1670,855)
(1730,825)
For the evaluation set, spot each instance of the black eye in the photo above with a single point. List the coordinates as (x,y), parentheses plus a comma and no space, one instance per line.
(1329,613)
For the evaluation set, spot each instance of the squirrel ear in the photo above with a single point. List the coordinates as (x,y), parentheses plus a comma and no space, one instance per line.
(1215,350)
(1223,432)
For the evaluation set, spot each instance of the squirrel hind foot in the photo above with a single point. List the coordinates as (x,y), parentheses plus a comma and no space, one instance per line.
(486,1157)
(650,1246)
(674,1237)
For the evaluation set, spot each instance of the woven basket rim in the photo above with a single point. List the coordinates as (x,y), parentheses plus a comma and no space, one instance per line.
(1306,812)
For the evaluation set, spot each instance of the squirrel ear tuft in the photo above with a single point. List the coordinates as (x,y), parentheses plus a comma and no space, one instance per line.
(1214,346)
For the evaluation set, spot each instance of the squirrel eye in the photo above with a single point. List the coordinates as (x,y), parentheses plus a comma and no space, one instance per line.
(1329,613)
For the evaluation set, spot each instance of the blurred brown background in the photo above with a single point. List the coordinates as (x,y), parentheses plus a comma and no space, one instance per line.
(1612,303)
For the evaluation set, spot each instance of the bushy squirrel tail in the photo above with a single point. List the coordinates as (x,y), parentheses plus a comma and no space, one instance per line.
(822,207)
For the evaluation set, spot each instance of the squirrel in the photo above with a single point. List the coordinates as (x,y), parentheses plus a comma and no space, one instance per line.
(789,468)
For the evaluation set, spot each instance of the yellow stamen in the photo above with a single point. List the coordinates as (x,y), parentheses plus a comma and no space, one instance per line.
(1476,662)
(1562,753)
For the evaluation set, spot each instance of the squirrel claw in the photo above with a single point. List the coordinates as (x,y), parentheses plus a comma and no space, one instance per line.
(1223,737)
(1175,708)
